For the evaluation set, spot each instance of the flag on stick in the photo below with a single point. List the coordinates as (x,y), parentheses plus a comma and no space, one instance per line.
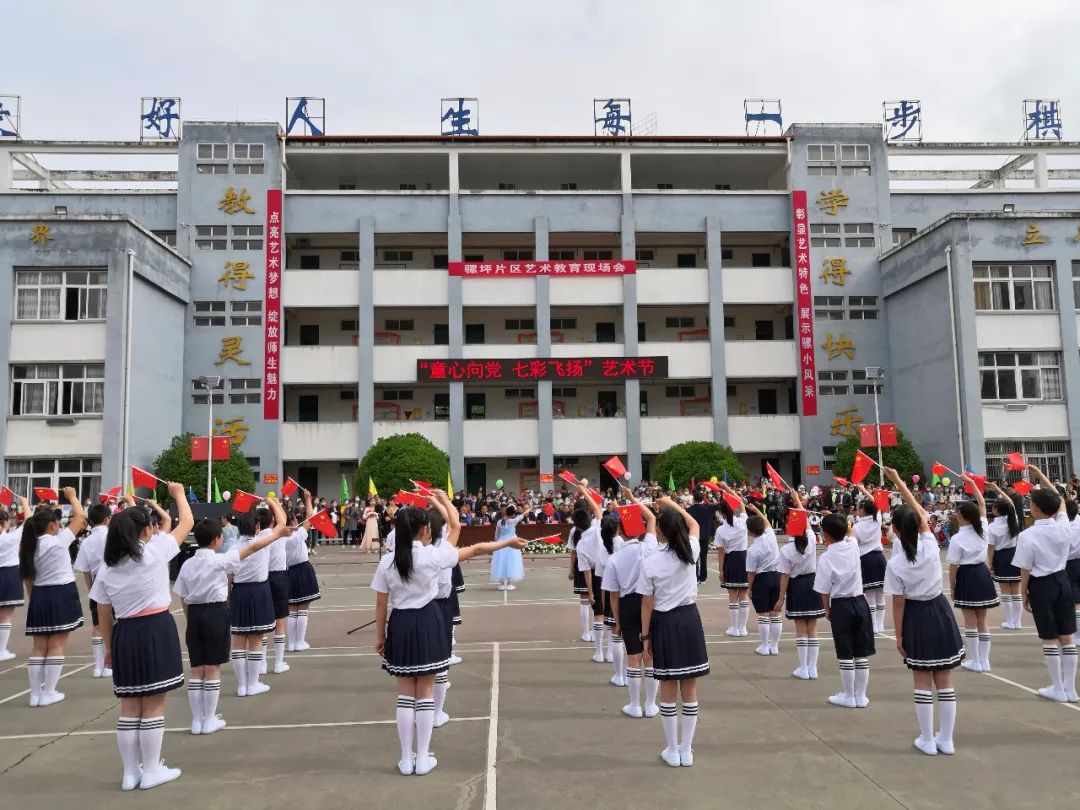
(141,478)
(863,464)
(322,523)
(243,501)
(45,494)
(289,487)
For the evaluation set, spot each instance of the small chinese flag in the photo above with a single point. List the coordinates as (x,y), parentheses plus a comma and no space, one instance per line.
(7,497)
(422,484)
(632,523)
(549,510)
(105,497)
(45,494)
(551,539)
(774,476)
(733,501)
(289,487)
(881,500)
(796,522)
(614,466)
(863,465)
(596,497)
(1014,462)
(937,468)
(980,482)
(710,486)
(141,478)
(1023,487)
(322,523)
(243,501)
(404,498)
(841,480)
(569,478)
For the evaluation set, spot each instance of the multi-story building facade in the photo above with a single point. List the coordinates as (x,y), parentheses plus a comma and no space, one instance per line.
(397,256)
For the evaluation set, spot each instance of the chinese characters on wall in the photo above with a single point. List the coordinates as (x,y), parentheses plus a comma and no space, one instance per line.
(570,368)
(804,304)
(272,323)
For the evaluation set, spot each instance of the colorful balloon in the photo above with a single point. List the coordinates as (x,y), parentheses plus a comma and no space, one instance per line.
(627,475)
(498,483)
(270,495)
(226,495)
(946,480)
(915,478)
(713,480)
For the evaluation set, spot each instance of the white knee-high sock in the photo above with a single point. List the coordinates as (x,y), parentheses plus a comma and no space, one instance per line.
(879,597)
(813,649)
(585,613)
(847,677)
(971,644)
(733,614)
(1052,657)
(947,712)
(1017,609)
(633,681)
(151,734)
(127,740)
(291,629)
(425,721)
(862,676)
(238,658)
(801,649)
(744,614)
(195,699)
(254,667)
(97,648)
(776,627)
(924,713)
(301,625)
(984,651)
(442,683)
(279,651)
(406,722)
(670,720)
(688,726)
(1068,668)
(764,623)
(211,693)
(53,666)
(618,655)
(35,670)
(1076,635)
(5,634)
(262,660)
(598,637)
(652,687)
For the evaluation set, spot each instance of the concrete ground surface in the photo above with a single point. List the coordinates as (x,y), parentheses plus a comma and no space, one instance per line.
(537,725)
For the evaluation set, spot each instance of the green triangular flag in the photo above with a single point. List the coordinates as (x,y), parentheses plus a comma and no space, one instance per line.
(217,492)
(935,480)
(671,482)
(344,489)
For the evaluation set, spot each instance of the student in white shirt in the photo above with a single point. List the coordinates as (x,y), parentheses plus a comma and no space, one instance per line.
(1001,537)
(414,644)
(55,609)
(87,561)
(730,542)
(871,557)
(591,556)
(802,604)
(927,637)
(839,581)
(583,531)
(1042,553)
(610,542)
(762,561)
(969,578)
(251,605)
(620,582)
(11,585)
(303,584)
(1072,565)
(143,648)
(674,635)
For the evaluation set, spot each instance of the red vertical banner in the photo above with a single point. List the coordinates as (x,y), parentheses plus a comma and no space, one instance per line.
(804,303)
(272,306)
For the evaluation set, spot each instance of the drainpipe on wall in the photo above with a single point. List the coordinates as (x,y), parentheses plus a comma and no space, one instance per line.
(129,287)
(955,357)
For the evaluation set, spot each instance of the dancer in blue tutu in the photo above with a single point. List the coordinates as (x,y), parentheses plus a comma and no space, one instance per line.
(507,566)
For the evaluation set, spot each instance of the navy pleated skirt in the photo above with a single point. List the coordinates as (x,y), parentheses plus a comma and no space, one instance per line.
(802,601)
(251,609)
(873,569)
(932,640)
(416,642)
(1004,570)
(279,593)
(975,587)
(597,596)
(446,608)
(146,656)
(765,591)
(579,583)
(303,584)
(734,571)
(457,579)
(678,644)
(53,609)
(455,605)
(11,586)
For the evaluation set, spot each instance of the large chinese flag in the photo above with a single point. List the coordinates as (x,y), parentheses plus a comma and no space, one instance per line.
(614,466)
(45,494)
(141,478)
(220,448)
(199,448)
(867,436)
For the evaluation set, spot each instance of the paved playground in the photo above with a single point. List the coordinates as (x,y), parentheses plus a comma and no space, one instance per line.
(535,724)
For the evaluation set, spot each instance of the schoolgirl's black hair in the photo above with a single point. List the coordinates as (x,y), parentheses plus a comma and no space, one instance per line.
(35,526)
(673,528)
(207,531)
(408,522)
(4,516)
(835,527)
(755,525)
(905,523)
(98,514)
(125,536)
(970,512)
(1071,510)
(800,542)
(1003,507)
(246,524)
(609,527)
(727,512)
(510,511)
(582,520)
(436,522)
(868,507)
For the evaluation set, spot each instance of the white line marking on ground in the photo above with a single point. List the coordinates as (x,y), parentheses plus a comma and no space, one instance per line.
(187,729)
(493,732)
(18,666)
(64,675)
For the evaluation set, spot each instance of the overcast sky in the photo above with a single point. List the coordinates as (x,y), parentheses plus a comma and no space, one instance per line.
(81,67)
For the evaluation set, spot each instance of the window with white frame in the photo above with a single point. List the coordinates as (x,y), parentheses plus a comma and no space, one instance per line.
(517,255)
(212,158)
(397,395)
(679,322)
(1014,287)
(1052,457)
(247,237)
(211,237)
(245,390)
(1011,376)
(519,393)
(854,158)
(247,168)
(828,453)
(68,389)
(208,313)
(859,234)
(84,474)
(859,386)
(247,158)
(902,235)
(60,295)
(199,394)
(562,255)
(564,393)
(679,391)
(564,323)
(397,255)
(246,313)
(513,324)
(168,237)
(1076,285)
(399,325)
(863,307)
(821,159)
(829,307)
(521,463)
(824,235)
(832,383)
(566,462)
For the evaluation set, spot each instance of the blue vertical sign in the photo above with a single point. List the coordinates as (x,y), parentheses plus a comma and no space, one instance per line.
(460,116)
(308,113)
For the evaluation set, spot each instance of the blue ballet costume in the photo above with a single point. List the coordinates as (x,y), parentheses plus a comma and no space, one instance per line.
(507,563)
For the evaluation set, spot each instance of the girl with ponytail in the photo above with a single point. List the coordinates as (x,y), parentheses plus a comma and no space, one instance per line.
(969,578)
(11,586)
(1001,537)
(582,520)
(591,558)
(802,604)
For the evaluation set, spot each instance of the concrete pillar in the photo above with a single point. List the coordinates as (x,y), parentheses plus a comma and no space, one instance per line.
(1070,360)
(7,173)
(716,329)
(1042,175)
(632,393)
(974,449)
(365,325)
(456,449)
(546,426)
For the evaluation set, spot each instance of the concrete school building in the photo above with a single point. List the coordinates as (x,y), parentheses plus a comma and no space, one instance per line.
(677,288)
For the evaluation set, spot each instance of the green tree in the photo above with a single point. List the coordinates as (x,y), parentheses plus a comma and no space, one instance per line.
(697,460)
(393,461)
(175,464)
(903,457)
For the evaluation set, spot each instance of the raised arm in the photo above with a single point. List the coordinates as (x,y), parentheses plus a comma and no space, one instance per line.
(450,513)
(864,492)
(742,501)
(184,519)
(796,498)
(909,499)
(24,508)
(281,529)
(760,514)
(164,518)
(308,508)
(594,507)
(692,527)
(979,499)
(1046,484)
(77,521)
(646,513)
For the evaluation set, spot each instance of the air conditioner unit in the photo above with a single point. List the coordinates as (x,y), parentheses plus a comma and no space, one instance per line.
(1016,406)
(302,241)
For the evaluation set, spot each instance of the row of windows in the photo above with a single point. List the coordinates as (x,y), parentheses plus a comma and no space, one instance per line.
(212,158)
(821,159)
(240,390)
(859,307)
(440,260)
(855,235)
(214,237)
(69,389)
(835,383)
(1020,376)
(84,474)
(60,295)
(212,313)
